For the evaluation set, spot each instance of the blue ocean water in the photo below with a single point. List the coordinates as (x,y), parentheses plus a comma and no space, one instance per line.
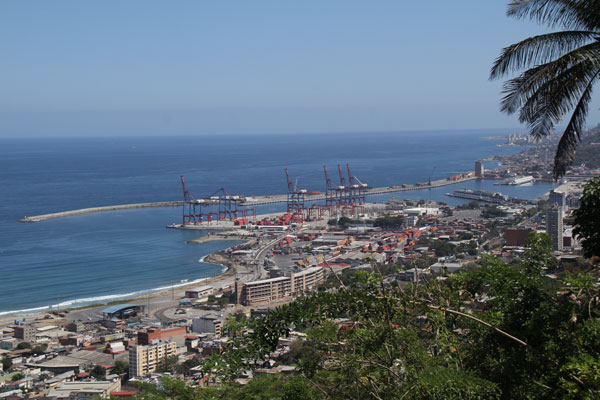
(103,256)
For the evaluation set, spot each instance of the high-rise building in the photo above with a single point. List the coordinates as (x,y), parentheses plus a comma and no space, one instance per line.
(554,226)
(146,359)
(557,198)
(479,170)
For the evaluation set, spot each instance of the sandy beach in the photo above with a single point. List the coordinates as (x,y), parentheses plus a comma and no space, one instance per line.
(154,301)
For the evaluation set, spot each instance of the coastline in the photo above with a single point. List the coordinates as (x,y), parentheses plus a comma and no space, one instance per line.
(217,258)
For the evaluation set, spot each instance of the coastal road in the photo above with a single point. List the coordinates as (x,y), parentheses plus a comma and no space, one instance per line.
(86,314)
(260,256)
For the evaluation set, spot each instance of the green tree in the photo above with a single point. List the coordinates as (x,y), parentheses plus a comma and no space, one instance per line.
(23,346)
(344,221)
(185,368)
(6,364)
(493,212)
(389,221)
(121,367)
(39,349)
(587,219)
(17,377)
(98,372)
(169,364)
(560,69)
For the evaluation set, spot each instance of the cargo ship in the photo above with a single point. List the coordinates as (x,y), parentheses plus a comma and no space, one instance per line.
(517,180)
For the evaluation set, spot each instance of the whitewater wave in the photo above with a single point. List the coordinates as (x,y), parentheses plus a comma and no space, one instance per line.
(99,299)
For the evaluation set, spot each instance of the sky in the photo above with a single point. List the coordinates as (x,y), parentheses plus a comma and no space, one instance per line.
(111,68)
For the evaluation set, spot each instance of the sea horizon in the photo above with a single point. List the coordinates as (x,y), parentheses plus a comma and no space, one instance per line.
(82,258)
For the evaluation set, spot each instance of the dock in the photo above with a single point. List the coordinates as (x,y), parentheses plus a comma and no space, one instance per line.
(257,200)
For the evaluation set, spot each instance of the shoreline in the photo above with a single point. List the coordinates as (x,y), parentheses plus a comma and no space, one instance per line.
(227,268)
(216,258)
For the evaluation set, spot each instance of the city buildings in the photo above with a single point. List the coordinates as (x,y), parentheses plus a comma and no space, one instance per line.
(208,324)
(479,170)
(146,359)
(555,197)
(280,288)
(149,335)
(25,332)
(554,226)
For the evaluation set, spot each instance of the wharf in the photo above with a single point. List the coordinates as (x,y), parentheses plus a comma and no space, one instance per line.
(257,200)
(488,198)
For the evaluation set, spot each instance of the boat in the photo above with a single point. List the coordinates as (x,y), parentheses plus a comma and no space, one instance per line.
(517,180)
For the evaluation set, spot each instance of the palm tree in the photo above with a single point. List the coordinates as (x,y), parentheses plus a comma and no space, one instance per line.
(560,70)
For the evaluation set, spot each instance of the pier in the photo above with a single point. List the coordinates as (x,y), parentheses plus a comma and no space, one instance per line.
(62,214)
(257,200)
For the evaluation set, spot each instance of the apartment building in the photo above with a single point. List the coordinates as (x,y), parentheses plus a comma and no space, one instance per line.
(144,360)
(282,287)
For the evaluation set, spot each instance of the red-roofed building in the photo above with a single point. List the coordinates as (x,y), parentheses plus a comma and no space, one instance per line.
(124,393)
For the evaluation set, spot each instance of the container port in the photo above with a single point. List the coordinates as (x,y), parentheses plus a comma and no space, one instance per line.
(354,191)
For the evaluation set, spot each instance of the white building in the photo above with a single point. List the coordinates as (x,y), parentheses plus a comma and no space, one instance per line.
(81,390)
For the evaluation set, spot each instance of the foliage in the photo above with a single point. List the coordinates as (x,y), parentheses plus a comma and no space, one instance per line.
(560,70)
(17,377)
(587,219)
(39,349)
(121,367)
(442,248)
(528,339)
(43,376)
(6,363)
(389,222)
(23,346)
(493,212)
(169,364)
(185,368)
(472,205)
(261,387)
(98,372)
(344,221)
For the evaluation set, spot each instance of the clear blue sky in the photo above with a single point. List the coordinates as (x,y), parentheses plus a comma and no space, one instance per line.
(105,68)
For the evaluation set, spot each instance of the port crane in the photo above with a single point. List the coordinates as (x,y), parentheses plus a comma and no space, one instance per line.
(295,197)
(228,207)
(358,188)
(431,174)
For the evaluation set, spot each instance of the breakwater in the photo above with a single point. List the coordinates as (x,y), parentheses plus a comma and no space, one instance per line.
(62,214)
(258,200)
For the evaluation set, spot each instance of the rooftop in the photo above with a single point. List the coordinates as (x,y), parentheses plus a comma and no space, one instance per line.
(118,307)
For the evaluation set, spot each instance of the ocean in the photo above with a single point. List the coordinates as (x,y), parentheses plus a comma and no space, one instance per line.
(100,257)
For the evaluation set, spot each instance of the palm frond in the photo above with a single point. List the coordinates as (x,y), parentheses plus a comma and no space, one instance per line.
(556,97)
(570,14)
(538,50)
(523,88)
(516,90)
(565,152)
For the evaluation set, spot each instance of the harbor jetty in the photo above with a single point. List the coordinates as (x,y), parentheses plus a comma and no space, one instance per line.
(62,214)
(256,200)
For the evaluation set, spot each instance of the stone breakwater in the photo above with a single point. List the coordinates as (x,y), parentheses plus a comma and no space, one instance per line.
(62,214)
